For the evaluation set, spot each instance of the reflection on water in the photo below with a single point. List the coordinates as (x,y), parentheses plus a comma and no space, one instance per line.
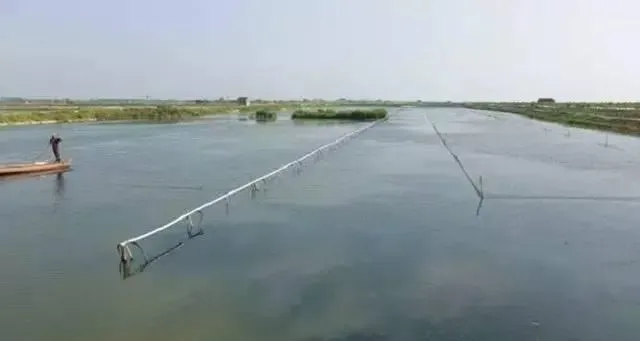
(130,268)
(381,240)
(320,122)
(59,191)
(60,187)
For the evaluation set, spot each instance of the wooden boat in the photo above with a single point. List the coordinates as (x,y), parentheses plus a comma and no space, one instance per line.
(34,167)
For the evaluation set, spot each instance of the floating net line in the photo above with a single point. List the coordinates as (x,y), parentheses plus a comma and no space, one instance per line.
(482,194)
(194,227)
(476,187)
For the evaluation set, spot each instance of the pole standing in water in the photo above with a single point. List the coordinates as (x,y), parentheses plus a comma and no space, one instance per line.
(54,141)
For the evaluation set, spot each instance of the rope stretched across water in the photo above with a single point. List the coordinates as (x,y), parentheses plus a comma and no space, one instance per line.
(123,247)
(476,188)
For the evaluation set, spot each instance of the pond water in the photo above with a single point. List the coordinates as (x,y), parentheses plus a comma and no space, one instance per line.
(380,240)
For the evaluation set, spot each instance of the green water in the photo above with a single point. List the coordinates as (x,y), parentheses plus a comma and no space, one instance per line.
(380,240)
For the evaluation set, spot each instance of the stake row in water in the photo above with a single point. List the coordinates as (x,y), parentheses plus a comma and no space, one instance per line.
(123,247)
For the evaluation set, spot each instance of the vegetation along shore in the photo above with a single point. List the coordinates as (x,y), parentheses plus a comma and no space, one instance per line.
(615,117)
(266,115)
(351,115)
(623,118)
(159,113)
(19,114)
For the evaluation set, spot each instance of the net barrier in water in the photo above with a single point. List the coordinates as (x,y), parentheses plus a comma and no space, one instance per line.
(482,194)
(124,249)
(476,187)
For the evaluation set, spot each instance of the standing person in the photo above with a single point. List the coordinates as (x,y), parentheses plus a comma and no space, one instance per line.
(54,141)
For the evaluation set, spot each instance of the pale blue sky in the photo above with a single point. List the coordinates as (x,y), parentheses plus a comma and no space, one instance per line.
(391,49)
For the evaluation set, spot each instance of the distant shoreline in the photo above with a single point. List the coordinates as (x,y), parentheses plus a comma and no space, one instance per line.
(93,120)
(619,118)
(25,116)
(27,123)
(69,115)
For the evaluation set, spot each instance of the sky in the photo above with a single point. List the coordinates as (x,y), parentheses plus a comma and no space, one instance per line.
(473,50)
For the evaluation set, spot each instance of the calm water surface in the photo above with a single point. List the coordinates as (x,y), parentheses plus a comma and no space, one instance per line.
(380,240)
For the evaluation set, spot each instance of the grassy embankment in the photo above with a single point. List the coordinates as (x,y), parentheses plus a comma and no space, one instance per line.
(60,113)
(160,113)
(621,118)
(350,115)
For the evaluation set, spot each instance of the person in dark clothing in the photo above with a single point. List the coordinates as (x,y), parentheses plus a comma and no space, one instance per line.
(54,141)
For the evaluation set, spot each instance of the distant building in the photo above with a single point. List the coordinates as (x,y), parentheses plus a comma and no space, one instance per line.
(546,100)
(244,101)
